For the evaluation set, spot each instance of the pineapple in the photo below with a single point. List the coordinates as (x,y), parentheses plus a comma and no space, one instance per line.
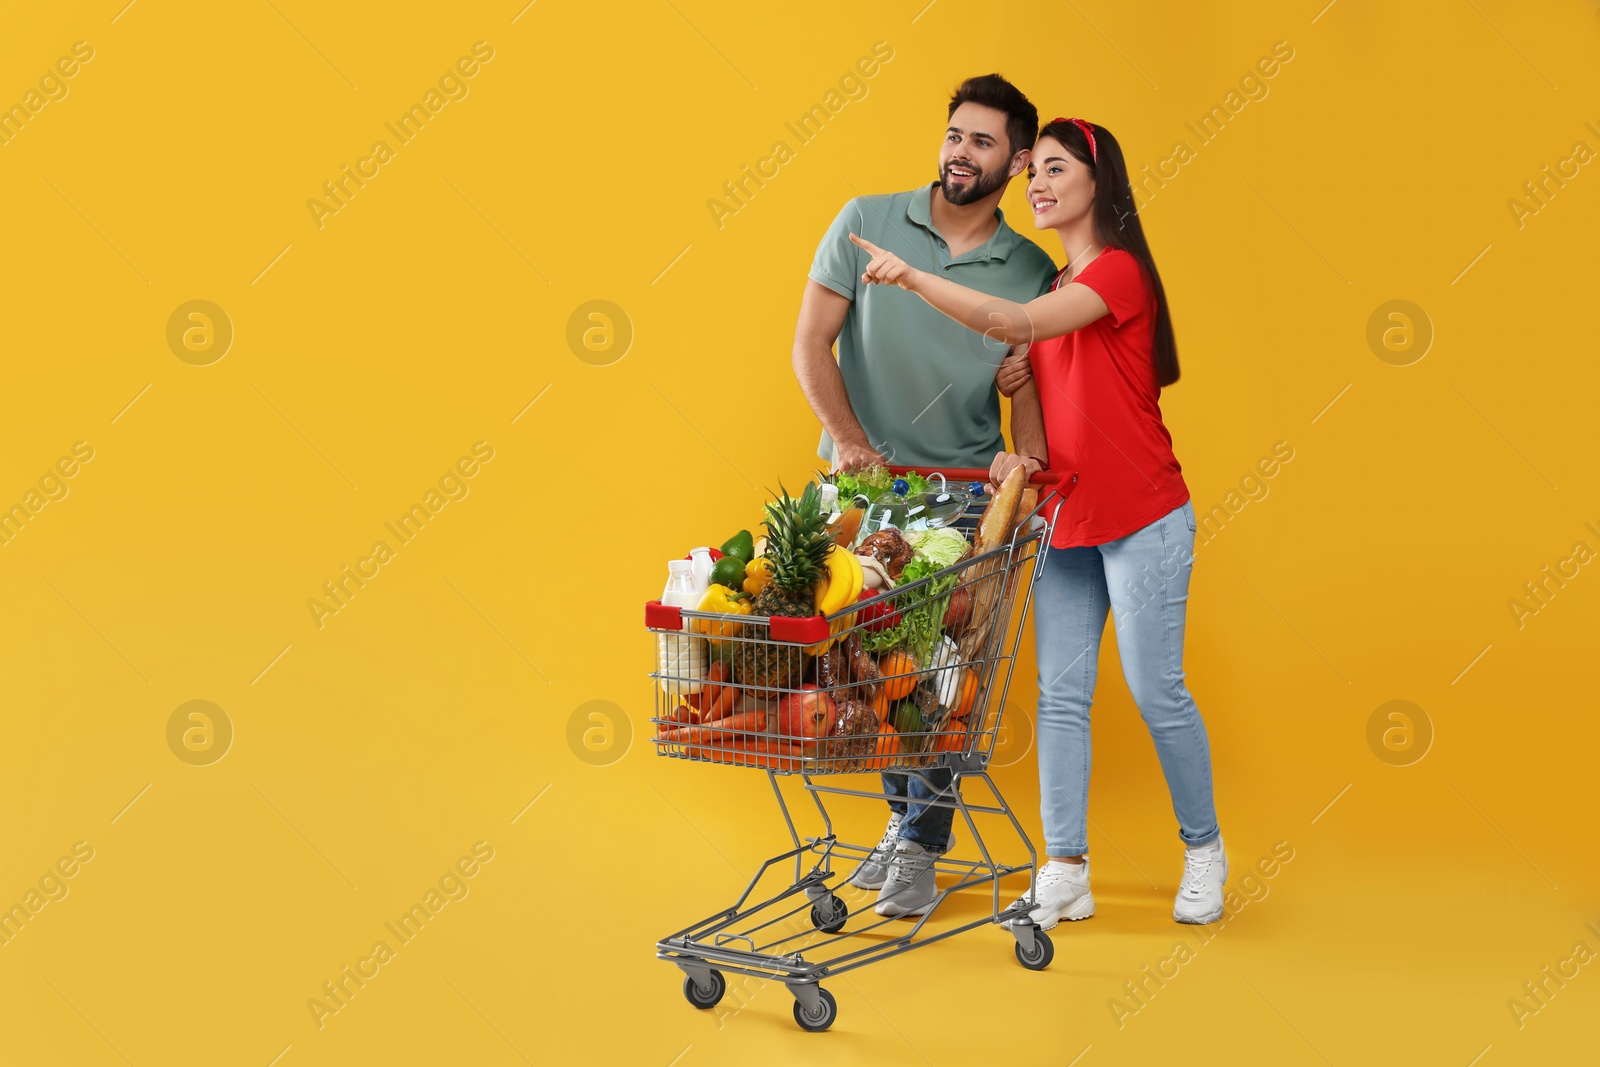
(797,550)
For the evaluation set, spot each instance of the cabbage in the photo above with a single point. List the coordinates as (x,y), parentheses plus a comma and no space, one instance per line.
(941,547)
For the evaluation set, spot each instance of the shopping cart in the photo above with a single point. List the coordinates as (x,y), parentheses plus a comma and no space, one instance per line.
(796,934)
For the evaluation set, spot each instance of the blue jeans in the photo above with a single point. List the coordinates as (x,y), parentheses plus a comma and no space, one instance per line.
(1143,581)
(926,824)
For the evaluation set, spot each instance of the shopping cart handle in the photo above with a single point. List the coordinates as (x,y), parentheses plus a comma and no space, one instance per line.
(659,616)
(1061,483)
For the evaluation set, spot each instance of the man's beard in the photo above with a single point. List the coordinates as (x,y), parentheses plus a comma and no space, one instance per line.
(980,185)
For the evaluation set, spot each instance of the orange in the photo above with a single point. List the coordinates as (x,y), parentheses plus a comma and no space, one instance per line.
(883,704)
(899,674)
(967,695)
(888,748)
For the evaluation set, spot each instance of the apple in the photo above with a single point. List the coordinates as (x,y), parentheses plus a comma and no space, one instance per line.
(959,613)
(808,714)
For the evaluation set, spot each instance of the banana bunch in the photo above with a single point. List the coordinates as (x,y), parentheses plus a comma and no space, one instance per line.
(837,589)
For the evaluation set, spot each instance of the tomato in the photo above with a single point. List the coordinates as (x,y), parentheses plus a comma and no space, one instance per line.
(876,612)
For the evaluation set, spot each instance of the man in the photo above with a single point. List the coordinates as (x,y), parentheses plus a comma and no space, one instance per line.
(916,388)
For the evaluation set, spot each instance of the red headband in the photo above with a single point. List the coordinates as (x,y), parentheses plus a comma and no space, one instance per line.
(1088,131)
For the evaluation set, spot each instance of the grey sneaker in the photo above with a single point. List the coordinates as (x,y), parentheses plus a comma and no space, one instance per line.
(875,868)
(909,888)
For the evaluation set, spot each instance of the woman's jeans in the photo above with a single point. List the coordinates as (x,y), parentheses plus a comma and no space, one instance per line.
(1143,580)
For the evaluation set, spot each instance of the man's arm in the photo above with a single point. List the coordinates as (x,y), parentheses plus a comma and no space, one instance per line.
(822,315)
(1027,436)
(1027,425)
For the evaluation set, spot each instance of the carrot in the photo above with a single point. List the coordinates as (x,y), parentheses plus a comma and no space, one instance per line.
(719,698)
(728,728)
(754,752)
(683,713)
(721,705)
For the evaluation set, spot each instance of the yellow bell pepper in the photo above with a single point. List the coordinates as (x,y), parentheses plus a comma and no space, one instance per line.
(757,573)
(724,601)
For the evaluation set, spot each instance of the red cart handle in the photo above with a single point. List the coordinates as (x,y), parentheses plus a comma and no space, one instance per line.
(1063,484)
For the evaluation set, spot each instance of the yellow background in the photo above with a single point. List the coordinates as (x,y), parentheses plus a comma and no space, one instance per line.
(369,754)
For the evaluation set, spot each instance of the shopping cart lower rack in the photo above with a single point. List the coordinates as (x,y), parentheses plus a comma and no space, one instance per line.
(928,713)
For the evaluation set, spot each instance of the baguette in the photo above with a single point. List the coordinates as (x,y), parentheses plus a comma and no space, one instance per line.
(1030,500)
(995,526)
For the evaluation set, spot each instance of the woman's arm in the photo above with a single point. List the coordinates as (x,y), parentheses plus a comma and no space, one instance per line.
(1055,314)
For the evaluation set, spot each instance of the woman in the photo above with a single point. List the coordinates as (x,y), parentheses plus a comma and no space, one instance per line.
(1100,348)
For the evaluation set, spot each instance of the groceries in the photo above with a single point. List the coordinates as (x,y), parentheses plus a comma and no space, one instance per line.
(891,641)
(945,505)
(844,516)
(892,510)
(874,499)
(681,658)
(724,600)
(808,714)
(728,571)
(702,563)
(889,548)
(871,482)
(740,546)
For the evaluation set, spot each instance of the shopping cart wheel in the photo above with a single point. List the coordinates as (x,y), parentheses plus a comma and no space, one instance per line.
(819,1020)
(1036,960)
(831,920)
(705,998)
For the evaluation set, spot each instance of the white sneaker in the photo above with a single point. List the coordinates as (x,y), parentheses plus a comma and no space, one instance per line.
(875,868)
(1205,869)
(910,887)
(1061,891)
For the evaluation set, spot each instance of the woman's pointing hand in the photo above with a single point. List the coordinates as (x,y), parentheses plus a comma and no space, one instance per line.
(885,268)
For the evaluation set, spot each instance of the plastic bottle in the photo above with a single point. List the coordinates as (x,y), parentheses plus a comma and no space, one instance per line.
(680,657)
(894,509)
(843,521)
(702,564)
(828,497)
(947,504)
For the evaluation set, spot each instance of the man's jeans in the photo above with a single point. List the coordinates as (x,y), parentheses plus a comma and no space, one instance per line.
(926,824)
(1143,580)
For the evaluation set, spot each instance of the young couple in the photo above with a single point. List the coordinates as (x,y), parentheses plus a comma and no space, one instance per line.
(935,303)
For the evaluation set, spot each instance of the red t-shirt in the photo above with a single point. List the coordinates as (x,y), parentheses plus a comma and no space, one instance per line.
(1102,411)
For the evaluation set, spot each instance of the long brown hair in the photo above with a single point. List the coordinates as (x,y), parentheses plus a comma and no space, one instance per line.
(1116,223)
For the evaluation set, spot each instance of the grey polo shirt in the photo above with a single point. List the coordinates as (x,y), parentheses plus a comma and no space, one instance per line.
(922,384)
